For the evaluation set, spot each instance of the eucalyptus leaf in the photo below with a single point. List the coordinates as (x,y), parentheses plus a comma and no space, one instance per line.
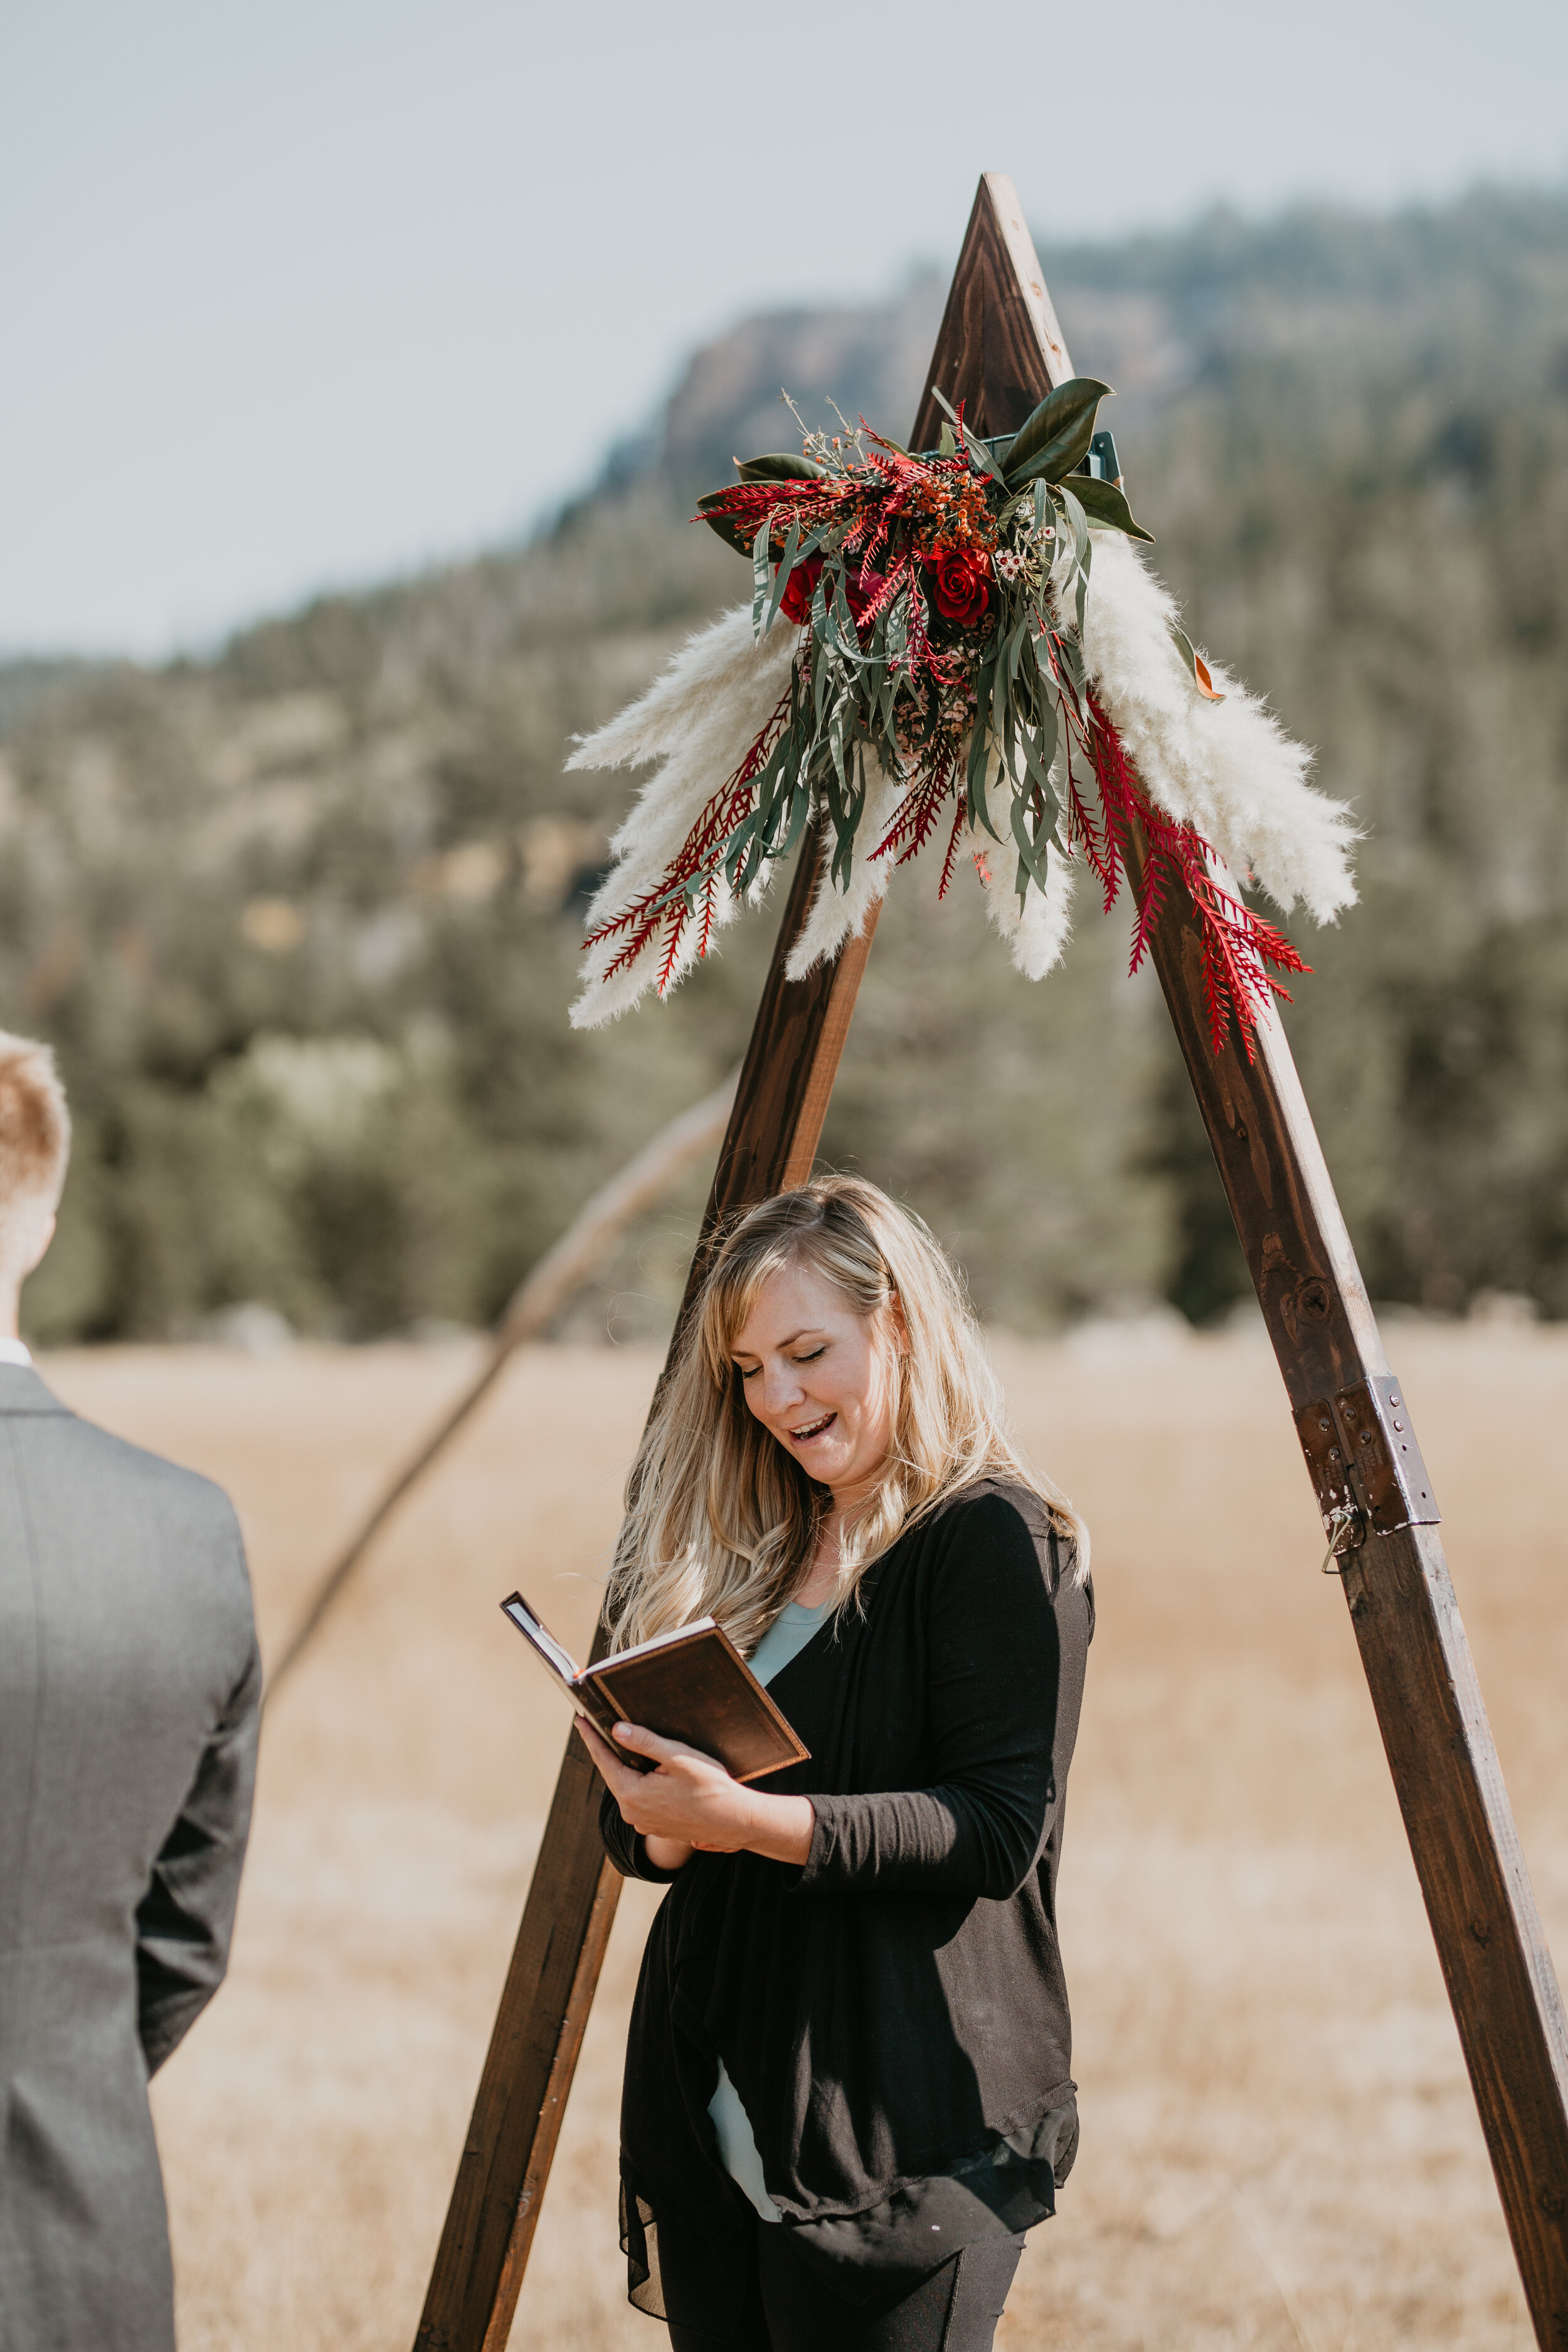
(780,577)
(849,635)
(800,809)
(1077,521)
(836,742)
(979,455)
(761,574)
(1034,857)
(1038,769)
(1047,735)
(974,778)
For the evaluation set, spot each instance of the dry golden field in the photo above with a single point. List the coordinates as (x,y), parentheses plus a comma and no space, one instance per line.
(1278,2144)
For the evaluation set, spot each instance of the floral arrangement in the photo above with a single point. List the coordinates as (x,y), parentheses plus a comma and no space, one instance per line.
(924,650)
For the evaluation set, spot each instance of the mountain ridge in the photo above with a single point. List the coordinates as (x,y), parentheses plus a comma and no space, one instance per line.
(298,916)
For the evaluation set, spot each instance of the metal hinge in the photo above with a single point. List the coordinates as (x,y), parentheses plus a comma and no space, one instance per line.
(1364,1464)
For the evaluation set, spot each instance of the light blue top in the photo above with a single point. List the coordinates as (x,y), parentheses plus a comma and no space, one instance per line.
(790,1631)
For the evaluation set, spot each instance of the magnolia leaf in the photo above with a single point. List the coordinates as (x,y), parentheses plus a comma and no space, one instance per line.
(947,443)
(1055,439)
(733,531)
(1197,668)
(1104,503)
(779,467)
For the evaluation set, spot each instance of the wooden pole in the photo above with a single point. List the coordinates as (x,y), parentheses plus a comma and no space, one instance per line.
(533,1305)
(1000,350)
(1354,1429)
(770,1144)
(1359,1446)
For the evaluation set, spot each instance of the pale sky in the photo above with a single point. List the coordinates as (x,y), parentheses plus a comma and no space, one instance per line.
(305,293)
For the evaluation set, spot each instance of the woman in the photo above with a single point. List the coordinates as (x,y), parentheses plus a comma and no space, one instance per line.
(847,2089)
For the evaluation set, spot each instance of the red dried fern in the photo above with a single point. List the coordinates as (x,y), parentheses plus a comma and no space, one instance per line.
(1238,946)
(694,869)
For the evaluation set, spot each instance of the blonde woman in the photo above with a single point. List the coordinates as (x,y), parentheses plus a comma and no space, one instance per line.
(847,2088)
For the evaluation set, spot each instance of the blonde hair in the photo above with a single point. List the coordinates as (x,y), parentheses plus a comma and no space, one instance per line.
(35,1127)
(721,1520)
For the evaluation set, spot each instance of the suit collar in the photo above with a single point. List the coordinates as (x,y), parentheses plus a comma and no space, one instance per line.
(21,1391)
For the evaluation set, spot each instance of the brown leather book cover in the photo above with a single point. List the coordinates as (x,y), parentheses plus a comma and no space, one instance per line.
(692,1686)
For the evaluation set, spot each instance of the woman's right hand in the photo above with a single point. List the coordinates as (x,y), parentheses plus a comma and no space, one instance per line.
(663,1852)
(689,1802)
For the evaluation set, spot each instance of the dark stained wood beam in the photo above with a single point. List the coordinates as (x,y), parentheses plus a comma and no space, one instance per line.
(1351,1419)
(781,1101)
(1417,1661)
(1000,350)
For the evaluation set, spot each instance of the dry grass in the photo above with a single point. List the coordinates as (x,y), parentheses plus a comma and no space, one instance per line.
(1279,2148)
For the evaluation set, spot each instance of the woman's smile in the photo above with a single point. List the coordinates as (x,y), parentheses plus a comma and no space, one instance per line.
(815,1375)
(814,1428)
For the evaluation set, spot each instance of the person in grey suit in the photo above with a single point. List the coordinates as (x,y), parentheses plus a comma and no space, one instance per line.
(130,1684)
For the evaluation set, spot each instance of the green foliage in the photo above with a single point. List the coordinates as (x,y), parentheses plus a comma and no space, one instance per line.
(302,919)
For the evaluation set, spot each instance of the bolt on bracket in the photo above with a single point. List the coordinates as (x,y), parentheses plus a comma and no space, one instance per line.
(1364,1464)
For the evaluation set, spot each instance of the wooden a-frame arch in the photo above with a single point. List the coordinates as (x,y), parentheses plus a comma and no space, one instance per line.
(1000,350)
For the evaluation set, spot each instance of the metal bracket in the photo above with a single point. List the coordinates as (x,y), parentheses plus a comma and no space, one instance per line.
(1325,1447)
(1362,1459)
(1103,462)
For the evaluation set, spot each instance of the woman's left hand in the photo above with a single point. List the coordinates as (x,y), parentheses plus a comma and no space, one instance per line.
(690,1800)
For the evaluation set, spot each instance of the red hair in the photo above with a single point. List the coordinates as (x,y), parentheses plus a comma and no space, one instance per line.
(34,1125)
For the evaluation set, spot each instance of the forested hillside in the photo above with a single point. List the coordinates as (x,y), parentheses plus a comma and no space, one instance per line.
(301,918)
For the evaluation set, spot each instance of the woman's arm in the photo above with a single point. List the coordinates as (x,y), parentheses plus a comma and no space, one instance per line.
(690,1804)
(993,1679)
(995,1661)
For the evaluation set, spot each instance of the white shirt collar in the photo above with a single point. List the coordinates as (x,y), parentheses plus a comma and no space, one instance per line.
(14,1352)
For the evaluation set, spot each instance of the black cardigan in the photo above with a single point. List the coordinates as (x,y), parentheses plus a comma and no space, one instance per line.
(893,2013)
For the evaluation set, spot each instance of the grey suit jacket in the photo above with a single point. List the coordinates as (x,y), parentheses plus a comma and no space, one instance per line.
(129,1688)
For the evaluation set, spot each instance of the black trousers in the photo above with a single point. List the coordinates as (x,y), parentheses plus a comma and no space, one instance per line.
(954,2308)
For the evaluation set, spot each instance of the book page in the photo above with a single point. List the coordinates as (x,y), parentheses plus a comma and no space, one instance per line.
(545,1644)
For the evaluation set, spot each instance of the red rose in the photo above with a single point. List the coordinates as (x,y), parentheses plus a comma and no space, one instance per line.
(796,602)
(961,585)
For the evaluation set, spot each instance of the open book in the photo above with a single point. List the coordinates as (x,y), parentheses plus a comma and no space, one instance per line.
(692,1686)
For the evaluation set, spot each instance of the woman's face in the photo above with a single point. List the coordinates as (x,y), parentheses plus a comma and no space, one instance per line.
(814,1375)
